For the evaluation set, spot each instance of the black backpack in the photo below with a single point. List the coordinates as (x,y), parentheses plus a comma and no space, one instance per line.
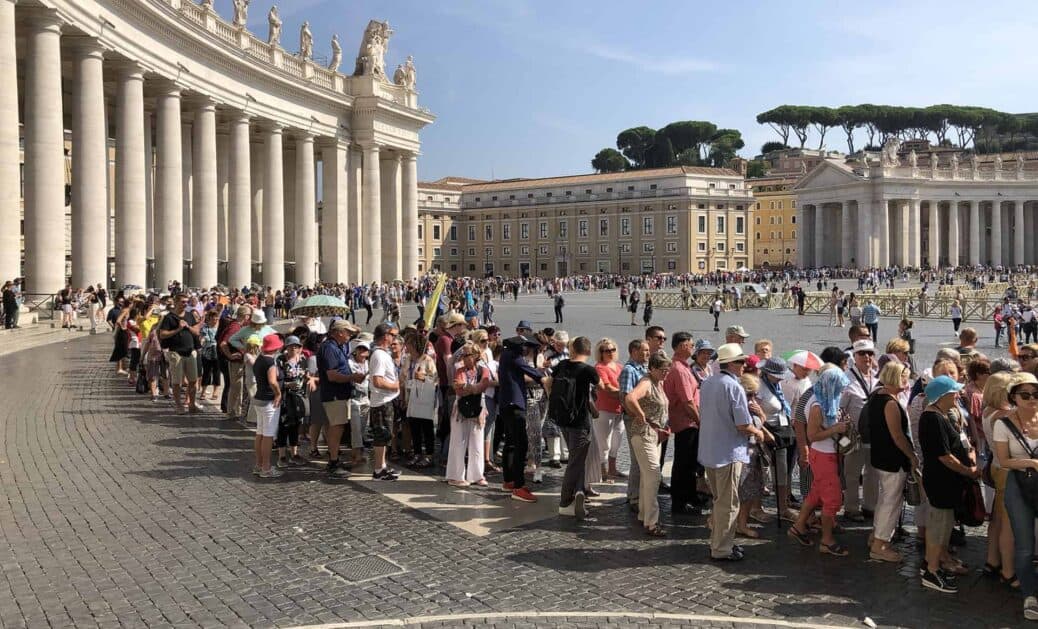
(562,402)
(470,406)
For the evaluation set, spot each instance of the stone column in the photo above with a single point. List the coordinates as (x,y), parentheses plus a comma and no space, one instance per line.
(44,155)
(954,246)
(274,208)
(239,202)
(846,235)
(149,184)
(409,189)
(881,230)
(306,216)
(820,239)
(257,164)
(89,166)
(934,254)
(354,186)
(289,179)
(10,151)
(801,236)
(1018,232)
(334,225)
(915,233)
(371,215)
(996,232)
(187,178)
(864,233)
(391,217)
(169,225)
(903,227)
(131,165)
(205,207)
(223,144)
(1029,251)
(975,233)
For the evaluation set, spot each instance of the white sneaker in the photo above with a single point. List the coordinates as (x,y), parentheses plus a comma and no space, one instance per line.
(273,472)
(1031,608)
(538,476)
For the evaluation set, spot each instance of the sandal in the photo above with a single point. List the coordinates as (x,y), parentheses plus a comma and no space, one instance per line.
(748,533)
(489,465)
(1011,581)
(993,572)
(835,549)
(656,531)
(760,517)
(801,538)
(956,568)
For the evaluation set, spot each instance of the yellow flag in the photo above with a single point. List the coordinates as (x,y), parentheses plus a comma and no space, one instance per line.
(433,303)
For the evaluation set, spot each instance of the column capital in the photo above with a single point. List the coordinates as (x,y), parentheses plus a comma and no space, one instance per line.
(127,69)
(408,156)
(200,102)
(238,116)
(84,46)
(273,127)
(166,87)
(302,135)
(42,18)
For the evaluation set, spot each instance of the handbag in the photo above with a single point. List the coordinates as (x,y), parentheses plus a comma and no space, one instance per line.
(470,406)
(1026,480)
(421,399)
(970,510)
(913,491)
(852,436)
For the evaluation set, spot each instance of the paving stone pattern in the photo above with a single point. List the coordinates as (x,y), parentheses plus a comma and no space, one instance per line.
(118,512)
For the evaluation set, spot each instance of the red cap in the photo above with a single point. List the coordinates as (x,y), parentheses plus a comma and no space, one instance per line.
(272,343)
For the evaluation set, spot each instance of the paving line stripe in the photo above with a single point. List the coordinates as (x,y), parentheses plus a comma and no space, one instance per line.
(417,620)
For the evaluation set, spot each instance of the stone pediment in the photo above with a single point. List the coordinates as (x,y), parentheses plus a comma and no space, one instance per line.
(827,173)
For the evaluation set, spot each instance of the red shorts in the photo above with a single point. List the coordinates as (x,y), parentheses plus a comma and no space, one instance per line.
(826,488)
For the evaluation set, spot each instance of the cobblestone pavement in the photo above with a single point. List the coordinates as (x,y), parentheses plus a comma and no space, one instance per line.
(116,511)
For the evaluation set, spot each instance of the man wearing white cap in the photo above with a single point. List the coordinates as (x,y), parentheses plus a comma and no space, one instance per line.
(863,380)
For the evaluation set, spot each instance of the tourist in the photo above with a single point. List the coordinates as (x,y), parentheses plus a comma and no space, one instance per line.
(716,308)
(450,328)
(947,463)
(891,455)
(955,312)
(121,348)
(854,310)
(336,383)
(763,349)
(870,314)
(725,426)
(703,356)
(647,406)
(609,428)
(471,380)
(360,401)
(513,369)
(177,333)
(556,350)
(572,384)
(559,302)
(1015,438)
(297,381)
(488,310)
(1028,357)
(267,402)
(257,326)
(841,306)
(418,369)
(635,297)
(632,373)
(858,472)
(1000,563)
(682,390)
(383,389)
(231,400)
(825,425)
(207,355)
(751,479)
(777,416)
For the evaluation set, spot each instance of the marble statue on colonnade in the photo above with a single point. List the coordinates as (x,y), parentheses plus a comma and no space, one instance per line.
(405,74)
(208,5)
(913,159)
(371,60)
(274,32)
(241,13)
(974,164)
(889,156)
(306,42)
(336,54)
(955,165)
(998,162)
(1019,163)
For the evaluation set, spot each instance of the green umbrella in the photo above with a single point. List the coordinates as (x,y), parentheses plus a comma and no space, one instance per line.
(321,306)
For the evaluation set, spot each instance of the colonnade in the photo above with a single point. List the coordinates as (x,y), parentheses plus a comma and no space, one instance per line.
(917,232)
(207,190)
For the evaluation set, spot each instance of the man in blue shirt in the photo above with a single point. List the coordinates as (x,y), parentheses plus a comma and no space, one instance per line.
(336,388)
(725,426)
(870,313)
(635,369)
(511,404)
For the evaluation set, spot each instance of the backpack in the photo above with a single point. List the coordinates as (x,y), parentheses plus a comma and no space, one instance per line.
(470,406)
(864,427)
(562,401)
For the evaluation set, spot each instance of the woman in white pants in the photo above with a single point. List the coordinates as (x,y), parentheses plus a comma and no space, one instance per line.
(609,426)
(467,419)
(892,455)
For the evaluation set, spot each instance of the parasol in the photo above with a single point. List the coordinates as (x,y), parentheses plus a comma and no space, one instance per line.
(321,306)
(804,358)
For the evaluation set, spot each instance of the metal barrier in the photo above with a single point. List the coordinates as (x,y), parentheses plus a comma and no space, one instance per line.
(45,305)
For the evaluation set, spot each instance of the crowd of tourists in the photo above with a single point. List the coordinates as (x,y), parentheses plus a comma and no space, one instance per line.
(848,435)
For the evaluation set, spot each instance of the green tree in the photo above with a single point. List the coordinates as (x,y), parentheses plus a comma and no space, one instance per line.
(609,160)
(823,119)
(689,134)
(868,113)
(799,119)
(777,119)
(634,143)
(768,147)
(723,147)
(688,157)
(850,118)
(660,154)
(756,168)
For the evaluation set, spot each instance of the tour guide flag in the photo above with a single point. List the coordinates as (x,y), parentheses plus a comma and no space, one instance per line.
(430,304)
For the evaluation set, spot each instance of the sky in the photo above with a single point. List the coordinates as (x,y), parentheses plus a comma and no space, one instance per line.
(534,88)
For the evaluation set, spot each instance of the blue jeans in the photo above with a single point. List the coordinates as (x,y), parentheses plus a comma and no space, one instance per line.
(1021,518)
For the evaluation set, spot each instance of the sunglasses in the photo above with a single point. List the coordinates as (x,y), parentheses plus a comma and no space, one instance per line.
(866,353)
(660,338)
(1027,395)
(608,350)
(737,362)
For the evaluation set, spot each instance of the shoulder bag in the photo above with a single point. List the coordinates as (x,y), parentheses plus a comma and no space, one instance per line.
(1026,480)
(470,406)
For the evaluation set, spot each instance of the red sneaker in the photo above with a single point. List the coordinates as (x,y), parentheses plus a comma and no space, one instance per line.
(523,495)
(509,486)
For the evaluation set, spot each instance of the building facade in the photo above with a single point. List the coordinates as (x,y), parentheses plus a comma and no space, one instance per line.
(919,210)
(218,138)
(775,221)
(678,220)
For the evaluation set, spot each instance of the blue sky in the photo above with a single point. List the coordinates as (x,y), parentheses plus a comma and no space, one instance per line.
(531,88)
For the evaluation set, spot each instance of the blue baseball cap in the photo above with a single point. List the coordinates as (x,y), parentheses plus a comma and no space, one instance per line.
(524,325)
(939,387)
(704,344)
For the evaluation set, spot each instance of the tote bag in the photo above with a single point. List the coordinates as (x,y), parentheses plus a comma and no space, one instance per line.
(421,399)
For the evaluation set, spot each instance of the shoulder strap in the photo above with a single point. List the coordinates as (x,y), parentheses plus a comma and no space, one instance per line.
(1019,436)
